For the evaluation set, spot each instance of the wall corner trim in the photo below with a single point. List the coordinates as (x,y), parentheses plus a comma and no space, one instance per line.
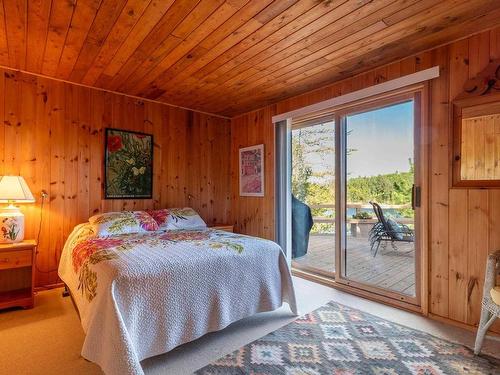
(393,84)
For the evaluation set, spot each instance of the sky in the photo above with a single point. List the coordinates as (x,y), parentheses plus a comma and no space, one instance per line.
(382,142)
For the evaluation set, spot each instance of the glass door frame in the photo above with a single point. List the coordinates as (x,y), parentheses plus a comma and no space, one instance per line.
(419,94)
(414,95)
(306,268)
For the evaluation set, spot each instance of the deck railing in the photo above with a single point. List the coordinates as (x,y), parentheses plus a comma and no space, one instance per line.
(358,207)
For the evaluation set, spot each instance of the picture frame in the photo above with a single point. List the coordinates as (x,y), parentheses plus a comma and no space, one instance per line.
(128,164)
(251,174)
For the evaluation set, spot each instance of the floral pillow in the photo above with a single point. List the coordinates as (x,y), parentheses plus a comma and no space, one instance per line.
(112,223)
(177,218)
(160,216)
(184,218)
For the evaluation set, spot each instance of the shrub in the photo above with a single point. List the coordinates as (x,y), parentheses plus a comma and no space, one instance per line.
(362,215)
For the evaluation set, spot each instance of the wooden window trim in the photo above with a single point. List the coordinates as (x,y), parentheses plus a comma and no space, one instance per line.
(469,108)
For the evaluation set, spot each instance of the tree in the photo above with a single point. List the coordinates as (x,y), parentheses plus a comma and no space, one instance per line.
(392,188)
(315,142)
(301,171)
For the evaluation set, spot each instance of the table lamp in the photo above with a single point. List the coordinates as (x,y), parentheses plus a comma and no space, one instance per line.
(13,189)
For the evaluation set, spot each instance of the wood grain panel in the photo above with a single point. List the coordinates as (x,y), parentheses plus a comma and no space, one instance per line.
(477,251)
(439,181)
(347,56)
(197,53)
(273,51)
(61,14)
(480,142)
(458,268)
(37,23)
(15,28)
(272,34)
(52,134)
(128,18)
(109,13)
(253,215)
(463,223)
(83,16)
(147,37)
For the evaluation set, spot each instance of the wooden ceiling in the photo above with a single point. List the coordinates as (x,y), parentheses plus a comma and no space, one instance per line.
(225,57)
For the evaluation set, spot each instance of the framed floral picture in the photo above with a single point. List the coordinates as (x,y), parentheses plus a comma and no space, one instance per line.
(128,165)
(252,171)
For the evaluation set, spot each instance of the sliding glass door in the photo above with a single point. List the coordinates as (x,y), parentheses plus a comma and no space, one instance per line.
(356,195)
(378,248)
(313,196)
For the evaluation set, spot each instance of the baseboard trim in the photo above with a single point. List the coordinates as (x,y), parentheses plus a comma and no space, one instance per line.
(386,301)
(358,292)
(462,325)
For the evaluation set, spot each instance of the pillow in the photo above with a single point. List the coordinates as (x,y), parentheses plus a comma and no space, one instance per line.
(112,223)
(160,216)
(184,218)
(395,228)
(177,218)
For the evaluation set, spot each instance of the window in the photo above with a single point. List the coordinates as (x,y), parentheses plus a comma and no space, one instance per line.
(476,160)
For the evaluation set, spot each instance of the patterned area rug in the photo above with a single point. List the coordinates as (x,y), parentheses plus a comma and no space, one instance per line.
(339,340)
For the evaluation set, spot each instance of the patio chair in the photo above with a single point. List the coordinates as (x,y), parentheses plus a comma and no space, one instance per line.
(491,299)
(387,230)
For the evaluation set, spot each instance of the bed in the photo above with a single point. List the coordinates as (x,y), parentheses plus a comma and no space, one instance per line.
(143,294)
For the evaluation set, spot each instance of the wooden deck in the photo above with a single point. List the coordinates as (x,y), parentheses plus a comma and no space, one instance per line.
(393,270)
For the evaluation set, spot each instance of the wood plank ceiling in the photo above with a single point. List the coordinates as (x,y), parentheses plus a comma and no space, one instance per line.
(225,57)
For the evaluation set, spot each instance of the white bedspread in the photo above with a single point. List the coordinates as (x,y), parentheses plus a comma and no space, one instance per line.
(140,295)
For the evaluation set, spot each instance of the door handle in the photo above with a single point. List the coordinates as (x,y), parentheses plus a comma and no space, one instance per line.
(415,197)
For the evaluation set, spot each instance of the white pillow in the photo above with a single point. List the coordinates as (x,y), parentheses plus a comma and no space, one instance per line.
(113,223)
(184,218)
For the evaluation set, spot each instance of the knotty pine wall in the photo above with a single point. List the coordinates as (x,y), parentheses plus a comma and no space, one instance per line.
(52,134)
(464,223)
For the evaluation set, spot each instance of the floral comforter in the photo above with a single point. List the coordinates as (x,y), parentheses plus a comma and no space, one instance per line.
(140,295)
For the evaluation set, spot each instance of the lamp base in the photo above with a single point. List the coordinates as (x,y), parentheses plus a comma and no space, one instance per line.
(11,225)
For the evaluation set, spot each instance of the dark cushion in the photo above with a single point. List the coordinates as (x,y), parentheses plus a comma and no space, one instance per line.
(302,223)
(395,228)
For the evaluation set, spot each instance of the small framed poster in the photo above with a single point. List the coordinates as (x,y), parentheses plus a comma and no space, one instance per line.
(128,165)
(252,171)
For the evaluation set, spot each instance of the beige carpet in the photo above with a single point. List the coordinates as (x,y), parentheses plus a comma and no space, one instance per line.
(44,340)
(48,338)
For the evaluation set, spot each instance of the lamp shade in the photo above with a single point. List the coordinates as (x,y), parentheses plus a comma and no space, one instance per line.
(13,189)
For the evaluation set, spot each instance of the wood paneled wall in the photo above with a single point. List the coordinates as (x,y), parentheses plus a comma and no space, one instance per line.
(480,148)
(464,223)
(253,215)
(52,134)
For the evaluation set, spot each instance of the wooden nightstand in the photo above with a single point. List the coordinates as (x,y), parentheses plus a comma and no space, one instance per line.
(17,274)
(224,227)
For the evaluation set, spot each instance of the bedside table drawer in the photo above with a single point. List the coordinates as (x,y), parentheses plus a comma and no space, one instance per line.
(15,259)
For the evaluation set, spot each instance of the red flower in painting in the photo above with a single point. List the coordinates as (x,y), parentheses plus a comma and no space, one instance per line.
(85,249)
(114,143)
